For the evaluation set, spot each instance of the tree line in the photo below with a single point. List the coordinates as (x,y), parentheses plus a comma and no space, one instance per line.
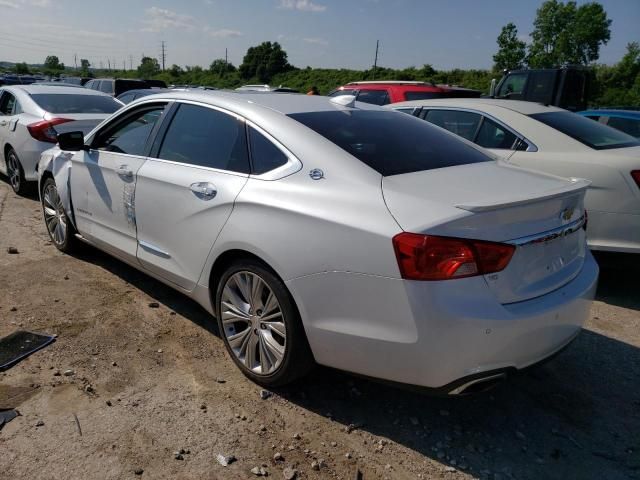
(563,34)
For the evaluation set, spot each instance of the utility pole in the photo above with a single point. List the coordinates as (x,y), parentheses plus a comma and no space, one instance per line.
(130,62)
(375,62)
(109,63)
(164,55)
(124,65)
(75,60)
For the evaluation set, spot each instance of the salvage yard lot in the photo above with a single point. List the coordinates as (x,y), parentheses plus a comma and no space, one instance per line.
(147,382)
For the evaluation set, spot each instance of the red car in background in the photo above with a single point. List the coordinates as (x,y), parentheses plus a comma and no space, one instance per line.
(384,92)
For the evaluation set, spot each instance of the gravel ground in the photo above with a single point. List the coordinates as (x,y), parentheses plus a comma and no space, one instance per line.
(151,392)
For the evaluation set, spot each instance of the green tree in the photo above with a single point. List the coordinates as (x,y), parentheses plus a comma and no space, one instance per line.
(567,34)
(148,67)
(22,68)
(264,61)
(84,67)
(52,64)
(511,50)
(220,66)
(175,70)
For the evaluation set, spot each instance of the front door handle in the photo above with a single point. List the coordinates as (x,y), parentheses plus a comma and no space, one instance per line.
(204,190)
(123,171)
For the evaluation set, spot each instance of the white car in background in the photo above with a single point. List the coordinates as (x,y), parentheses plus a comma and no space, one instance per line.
(32,115)
(314,231)
(559,142)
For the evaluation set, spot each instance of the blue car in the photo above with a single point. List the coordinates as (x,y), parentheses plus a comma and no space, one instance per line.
(627,121)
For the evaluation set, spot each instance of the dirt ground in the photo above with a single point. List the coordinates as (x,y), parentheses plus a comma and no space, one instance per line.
(149,382)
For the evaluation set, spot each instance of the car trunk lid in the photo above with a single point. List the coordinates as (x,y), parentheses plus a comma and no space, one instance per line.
(541,215)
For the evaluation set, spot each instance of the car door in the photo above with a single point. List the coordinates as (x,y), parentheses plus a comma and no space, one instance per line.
(9,110)
(187,188)
(103,180)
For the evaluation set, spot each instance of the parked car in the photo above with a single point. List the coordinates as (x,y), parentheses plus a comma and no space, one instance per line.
(315,231)
(58,84)
(117,86)
(627,121)
(31,116)
(131,95)
(384,92)
(75,80)
(559,142)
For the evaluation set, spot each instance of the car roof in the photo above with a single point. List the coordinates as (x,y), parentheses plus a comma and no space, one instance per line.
(525,108)
(284,103)
(47,89)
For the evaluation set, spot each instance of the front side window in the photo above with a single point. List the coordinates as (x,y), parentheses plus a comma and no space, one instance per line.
(379,140)
(513,86)
(265,156)
(588,132)
(207,138)
(374,97)
(492,135)
(130,135)
(7,103)
(461,123)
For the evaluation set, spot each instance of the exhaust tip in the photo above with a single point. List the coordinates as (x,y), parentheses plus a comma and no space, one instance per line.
(479,385)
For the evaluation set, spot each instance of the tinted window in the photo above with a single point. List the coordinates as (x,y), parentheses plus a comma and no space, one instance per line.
(67,103)
(513,85)
(464,124)
(422,95)
(90,84)
(337,93)
(206,137)
(492,135)
(7,103)
(265,156)
(106,86)
(129,136)
(626,125)
(375,97)
(389,143)
(592,134)
(126,97)
(541,86)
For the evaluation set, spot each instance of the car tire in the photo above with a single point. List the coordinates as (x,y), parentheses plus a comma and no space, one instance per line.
(60,230)
(260,325)
(15,173)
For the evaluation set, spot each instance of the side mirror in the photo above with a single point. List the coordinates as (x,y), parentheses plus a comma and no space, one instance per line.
(71,141)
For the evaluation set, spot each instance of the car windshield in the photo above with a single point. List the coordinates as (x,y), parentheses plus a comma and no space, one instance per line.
(586,131)
(68,103)
(379,139)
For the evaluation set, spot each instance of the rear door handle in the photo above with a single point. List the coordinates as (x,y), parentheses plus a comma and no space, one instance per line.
(204,190)
(123,171)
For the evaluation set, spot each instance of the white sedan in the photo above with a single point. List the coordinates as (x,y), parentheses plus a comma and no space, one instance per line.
(559,142)
(32,115)
(320,230)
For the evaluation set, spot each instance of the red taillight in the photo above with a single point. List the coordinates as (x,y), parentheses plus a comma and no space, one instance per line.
(428,257)
(636,176)
(43,131)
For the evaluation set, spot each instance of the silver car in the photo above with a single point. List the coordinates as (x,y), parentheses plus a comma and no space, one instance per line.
(326,231)
(31,116)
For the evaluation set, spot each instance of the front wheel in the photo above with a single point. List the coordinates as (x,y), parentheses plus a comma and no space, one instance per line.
(260,325)
(60,230)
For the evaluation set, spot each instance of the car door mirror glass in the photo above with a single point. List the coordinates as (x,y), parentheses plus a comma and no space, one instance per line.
(71,141)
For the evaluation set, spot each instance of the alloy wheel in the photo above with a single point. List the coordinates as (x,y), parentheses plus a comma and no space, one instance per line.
(13,171)
(253,323)
(54,216)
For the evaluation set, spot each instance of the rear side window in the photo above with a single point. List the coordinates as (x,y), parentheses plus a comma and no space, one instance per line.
(389,143)
(70,103)
(375,97)
(129,135)
(207,138)
(464,124)
(492,135)
(265,156)
(126,98)
(592,134)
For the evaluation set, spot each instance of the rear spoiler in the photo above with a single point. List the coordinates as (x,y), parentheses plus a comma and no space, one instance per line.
(577,185)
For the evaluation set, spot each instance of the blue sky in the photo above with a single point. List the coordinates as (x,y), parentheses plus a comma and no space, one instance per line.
(319,33)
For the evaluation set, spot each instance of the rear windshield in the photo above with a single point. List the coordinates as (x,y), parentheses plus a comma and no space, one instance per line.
(592,134)
(68,103)
(389,142)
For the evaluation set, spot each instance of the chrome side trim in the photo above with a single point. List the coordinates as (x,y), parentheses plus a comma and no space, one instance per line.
(153,249)
(550,234)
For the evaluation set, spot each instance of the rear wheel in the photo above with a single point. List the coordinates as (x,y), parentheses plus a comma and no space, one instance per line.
(260,325)
(16,173)
(60,230)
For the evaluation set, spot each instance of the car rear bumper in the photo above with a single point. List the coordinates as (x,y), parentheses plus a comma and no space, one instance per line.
(614,232)
(435,334)
(29,155)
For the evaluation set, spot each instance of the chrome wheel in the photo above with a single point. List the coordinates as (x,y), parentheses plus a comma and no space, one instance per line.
(253,323)
(13,171)
(54,216)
